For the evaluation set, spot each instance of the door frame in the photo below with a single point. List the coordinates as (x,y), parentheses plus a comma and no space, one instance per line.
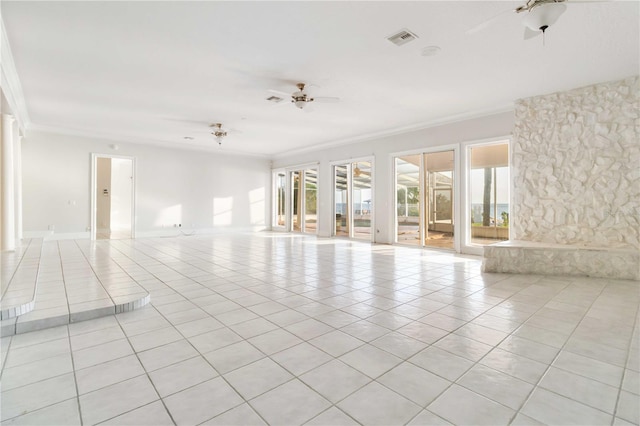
(348,163)
(466,247)
(93,212)
(288,201)
(456,199)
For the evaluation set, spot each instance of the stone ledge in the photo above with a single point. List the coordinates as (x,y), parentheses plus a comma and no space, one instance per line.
(528,257)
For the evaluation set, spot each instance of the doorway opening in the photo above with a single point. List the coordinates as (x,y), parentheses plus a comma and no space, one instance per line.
(112,197)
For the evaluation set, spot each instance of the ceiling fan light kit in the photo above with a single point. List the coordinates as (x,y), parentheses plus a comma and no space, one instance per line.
(542,16)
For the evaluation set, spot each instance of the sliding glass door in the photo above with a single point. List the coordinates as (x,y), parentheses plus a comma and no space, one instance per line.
(310,201)
(425,194)
(409,207)
(353,200)
(439,197)
(342,224)
(304,200)
(280,215)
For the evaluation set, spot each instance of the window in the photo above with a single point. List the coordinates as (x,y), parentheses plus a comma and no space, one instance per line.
(488,193)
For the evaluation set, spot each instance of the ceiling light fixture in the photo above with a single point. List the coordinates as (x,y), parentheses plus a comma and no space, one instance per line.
(543,16)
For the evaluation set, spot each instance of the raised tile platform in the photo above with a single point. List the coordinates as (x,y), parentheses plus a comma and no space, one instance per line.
(19,274)
(527,257)
(61,282)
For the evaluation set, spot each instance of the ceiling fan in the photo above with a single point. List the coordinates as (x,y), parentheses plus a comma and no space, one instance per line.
(301,98)
(220,133)
(539,15)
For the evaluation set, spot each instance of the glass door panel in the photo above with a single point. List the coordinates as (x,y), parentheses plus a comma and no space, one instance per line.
(489,194)
(280,199)
(341,207)
(362,200)
(296,202)
(310,201)
(408,199)
(439,189)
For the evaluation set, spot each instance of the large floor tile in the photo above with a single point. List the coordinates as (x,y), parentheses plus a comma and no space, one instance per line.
(36,371)
(234,356)
(108,373)
(181,375)
(336,343)
(63,413)
(242,415)
(213,340)
(334,417)
(301,358)
(370,360)
(257,378)
(154,414)
(441,363)
(114,400)
(101,353)
(376,405)
(475,409)
(29,398)
(414,383)
(548,407)
(335,380)
(290,404)
(497,386)
(202,402)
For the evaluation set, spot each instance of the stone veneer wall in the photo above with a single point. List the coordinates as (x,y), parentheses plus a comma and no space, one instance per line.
(576,185)
(576,167)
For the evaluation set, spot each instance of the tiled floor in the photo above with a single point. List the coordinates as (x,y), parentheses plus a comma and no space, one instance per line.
(284,330)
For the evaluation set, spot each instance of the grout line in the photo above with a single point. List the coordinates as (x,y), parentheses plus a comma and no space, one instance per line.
(624,369)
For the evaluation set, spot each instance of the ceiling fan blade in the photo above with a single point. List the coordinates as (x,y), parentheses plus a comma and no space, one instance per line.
(326,99)
(487,23)
(279,93)
(529,33)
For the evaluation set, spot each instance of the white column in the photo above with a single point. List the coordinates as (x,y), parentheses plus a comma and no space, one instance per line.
(17,153)
(8,201)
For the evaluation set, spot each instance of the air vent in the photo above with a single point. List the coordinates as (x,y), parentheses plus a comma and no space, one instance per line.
(402,37)
(274,99)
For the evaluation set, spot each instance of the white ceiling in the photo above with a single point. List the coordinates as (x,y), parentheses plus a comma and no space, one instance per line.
(160,71)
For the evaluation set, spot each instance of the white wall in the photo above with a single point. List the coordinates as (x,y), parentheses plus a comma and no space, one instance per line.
(197,189)
(492,126)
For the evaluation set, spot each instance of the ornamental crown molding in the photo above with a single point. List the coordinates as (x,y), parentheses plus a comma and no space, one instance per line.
(11,87)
